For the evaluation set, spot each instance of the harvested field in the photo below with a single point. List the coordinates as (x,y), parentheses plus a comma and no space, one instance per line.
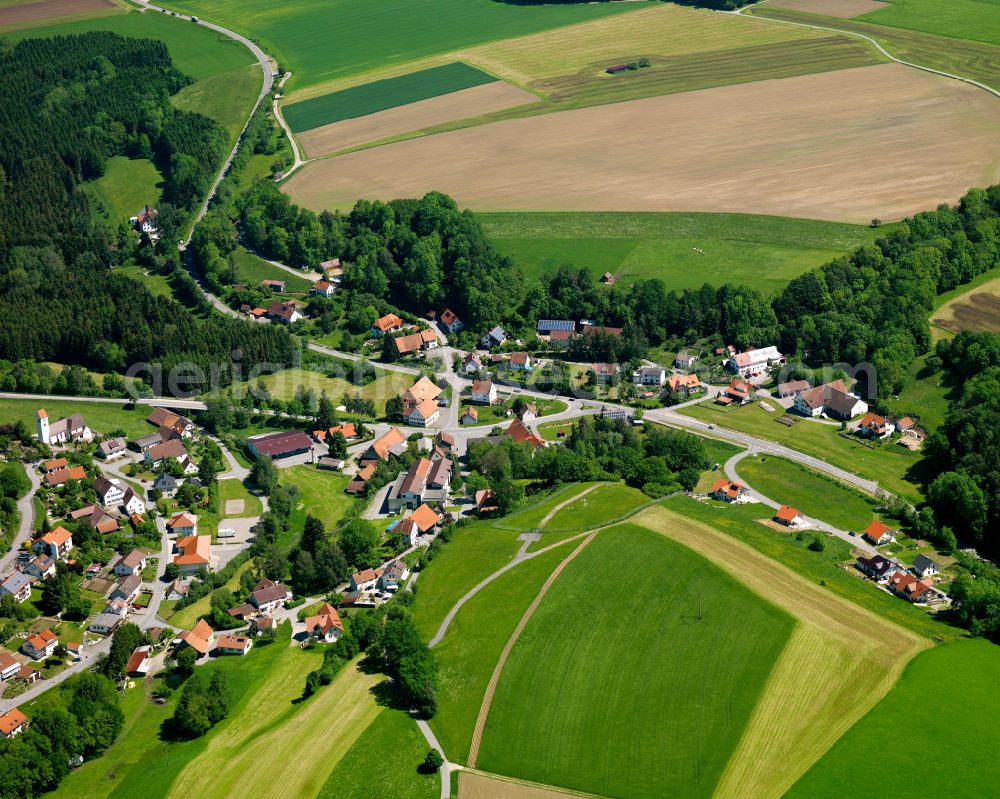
(977,310)
(25,13)
(844,9)
(881,141)
(471,102)
(841,660)
(476,785)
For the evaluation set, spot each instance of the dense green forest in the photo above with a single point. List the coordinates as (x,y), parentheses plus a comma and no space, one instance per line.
(70,103)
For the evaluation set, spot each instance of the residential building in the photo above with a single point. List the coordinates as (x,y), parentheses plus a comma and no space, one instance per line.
(118,606)
(529,412)
(127,588)
(450,321)
(268,595)
(132,502)
(421,391)
(410,488)
(788,516)
(561,338)
(103,522)
(277,286)
(109,492)
(359,485)
(16,585)
(874,426)
(520,433)
(75,649)
(193,553)
(420,522)
(389,323)
(12,723)
(60,476)
(392,443)
(684,360)
(144,443)
(64,431)
(261,625)
(322,288)
(831,399)
(650,376)
(472,364)
(469,416)
(112,448)
(486,501)
(546,327)
(604,372)
(326,624)
(145,222)
(754,360)
(906,586)
(738,392)
(879,533)
(183,523)
(55,543)
(132,563)
(55,465)
(284,444)
(158,453)
(520,362)
(395,575)
(730,491)
(139,662)
(683,384)
(284,312)
(167,420)
(877,566)
(39,646)
(233,644)
(423,415)
(104,623)
(166,484)
(923,566)
(8,666)
(793,388)
(414,342)
(365,580)
(444,441)
(484,392)
(198,638)
(494,338)
(41,567)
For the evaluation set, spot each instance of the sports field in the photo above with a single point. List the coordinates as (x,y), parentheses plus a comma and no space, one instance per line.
(381,95)
(323,42)
(634,699)
(959,682)
(811,493)
(839,662)
(977,309)
(661,165)
(683,250)
(125,187)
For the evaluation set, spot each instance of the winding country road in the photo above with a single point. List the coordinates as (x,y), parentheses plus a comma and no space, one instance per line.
(26,509)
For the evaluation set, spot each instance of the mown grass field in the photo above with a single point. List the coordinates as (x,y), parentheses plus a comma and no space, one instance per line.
(959,56)
(839,662)
(924,397)
(253,270)
(223,97)
(604,505)
(895,468)
(125,187)
(140,763)
(321,43)
(960,19)
(531,515)
(321,493)
(381,95)
(234,489)
(100,416)
(811,493)
(822,568)
(468,654)
(760,251)
(955,685)
(391,748)
(188,616)
(634,699)
(283,385)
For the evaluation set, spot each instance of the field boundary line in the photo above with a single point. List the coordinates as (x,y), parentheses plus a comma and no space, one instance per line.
(870,40)
(484,709)
(529,784)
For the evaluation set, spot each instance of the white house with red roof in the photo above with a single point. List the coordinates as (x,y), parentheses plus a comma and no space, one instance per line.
(730,491)
(322,288)
(55,543)
(325,625)
(39,646)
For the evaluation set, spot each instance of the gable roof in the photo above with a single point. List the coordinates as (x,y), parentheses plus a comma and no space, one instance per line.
(194,550)
(387,322)
(11,720)
(786,513)
(877,529)
(424,517)
(57,537)
(423,389)
(392,437)
(182,519)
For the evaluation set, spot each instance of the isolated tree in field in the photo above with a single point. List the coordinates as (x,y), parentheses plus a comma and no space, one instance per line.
(433,761)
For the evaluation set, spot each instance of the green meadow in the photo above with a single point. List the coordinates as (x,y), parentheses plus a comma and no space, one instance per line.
(320,42)
(684,250)
(125,187)
(381,95)
(102,417)
(949,695)
(634,698)
(960,19)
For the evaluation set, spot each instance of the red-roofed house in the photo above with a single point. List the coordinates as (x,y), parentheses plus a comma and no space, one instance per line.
(874,426)
(730,491)
(908,587)
(450,321)
(13,722)
(788,516)
(365,579)
(139,662)
(326,624)
(55,543)
(486,501)
(40,645)
(387,324)
(194,553)
(322,288)
(233,644)
(879,533)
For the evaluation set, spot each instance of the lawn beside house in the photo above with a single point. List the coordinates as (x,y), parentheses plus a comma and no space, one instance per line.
(101,417)
(188,616)
(321,493)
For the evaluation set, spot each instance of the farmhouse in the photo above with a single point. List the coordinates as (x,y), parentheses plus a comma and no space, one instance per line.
(112,448)
(64,431)
(484,392)
(16,585)
(60,476)
(193,553)
(359,485)
(494,338)
(450,321)
(422,340)
(650,376)
(423,415)
(730,491)
(55,543)
(13,722)
(788,516)
(40,645)
(165,449)
(326,624)
(874,426)
(283,444)
(268,595)
(139,662)
(392,443)
(233,644)
(424,481)
(560,338)
(132,563)
(738,391)
(923,566)
(389,323)
(166,419)
(754,360)
(422,521)
(421,391)
(102,522)
(879,533)
(198,638)
(792,388)
(831,399)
